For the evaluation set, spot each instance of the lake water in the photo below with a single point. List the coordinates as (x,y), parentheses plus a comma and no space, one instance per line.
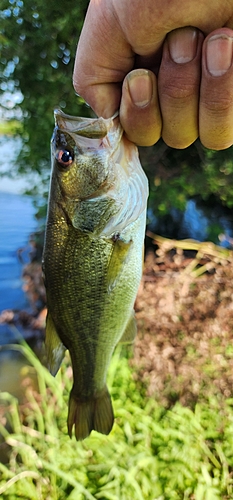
(199,221)
(17,222)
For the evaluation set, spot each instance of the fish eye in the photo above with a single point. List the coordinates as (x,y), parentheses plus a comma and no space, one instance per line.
(64,157)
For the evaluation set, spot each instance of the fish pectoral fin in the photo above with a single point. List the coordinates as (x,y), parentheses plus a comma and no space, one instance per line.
(119,257)
(92,414)
(130,332)
(55,349)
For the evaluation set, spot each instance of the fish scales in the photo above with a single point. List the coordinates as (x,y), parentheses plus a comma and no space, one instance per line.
(92,259)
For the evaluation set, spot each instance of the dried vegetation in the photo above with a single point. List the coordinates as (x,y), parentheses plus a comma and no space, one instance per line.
(184,308)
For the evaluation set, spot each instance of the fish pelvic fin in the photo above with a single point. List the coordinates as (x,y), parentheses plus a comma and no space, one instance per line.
(119,258)
(92,414)
(130,332)
(54,348)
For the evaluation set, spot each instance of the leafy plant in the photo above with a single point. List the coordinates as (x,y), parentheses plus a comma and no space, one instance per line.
(151,453)
(178,175)
(38,44)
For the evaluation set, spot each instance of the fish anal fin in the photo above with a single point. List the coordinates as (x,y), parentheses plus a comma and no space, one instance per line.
(92,414)
(119,257)
(54,348)
(130,332)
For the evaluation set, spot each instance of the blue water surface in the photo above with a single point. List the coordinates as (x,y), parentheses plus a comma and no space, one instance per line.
(17,222)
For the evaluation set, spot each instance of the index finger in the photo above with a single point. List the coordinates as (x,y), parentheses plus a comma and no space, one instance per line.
(100,64)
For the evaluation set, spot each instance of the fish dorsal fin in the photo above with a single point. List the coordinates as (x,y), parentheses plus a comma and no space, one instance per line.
(130,332)
(119,257)
(55,349)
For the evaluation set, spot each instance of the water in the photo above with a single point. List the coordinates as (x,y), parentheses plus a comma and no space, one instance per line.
(199,221)
(10,181)
(17,222)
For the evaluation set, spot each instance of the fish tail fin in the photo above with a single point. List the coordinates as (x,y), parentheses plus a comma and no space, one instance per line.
(92,414)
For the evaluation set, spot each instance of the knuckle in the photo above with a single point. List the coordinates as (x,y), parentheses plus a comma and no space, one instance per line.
(217,102)
(219,106)
(179,90)
(78,87)
(178,94)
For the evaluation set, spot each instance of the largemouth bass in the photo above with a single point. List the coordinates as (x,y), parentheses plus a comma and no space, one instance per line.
(92,259)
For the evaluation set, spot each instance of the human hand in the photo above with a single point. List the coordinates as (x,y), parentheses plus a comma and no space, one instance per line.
(177,85)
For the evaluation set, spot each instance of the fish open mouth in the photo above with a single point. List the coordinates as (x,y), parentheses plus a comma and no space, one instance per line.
(93,128)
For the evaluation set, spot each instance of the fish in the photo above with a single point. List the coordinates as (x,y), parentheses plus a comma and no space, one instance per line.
(92,258)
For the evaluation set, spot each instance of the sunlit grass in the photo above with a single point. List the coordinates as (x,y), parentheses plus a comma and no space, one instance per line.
(10,127)
(152,453)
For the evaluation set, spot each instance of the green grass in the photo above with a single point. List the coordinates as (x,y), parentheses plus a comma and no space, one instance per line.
(10,127)
(152,453)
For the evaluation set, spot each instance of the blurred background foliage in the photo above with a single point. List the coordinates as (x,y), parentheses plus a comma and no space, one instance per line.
(178,175)
(37,48)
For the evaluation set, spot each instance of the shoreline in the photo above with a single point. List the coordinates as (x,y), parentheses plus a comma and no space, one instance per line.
(185,323)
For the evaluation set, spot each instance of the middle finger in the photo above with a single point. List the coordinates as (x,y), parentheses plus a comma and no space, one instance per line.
(178,86)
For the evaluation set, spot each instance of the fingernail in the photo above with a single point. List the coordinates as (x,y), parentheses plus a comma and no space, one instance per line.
(140,87)
(182,45)
(219,54)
